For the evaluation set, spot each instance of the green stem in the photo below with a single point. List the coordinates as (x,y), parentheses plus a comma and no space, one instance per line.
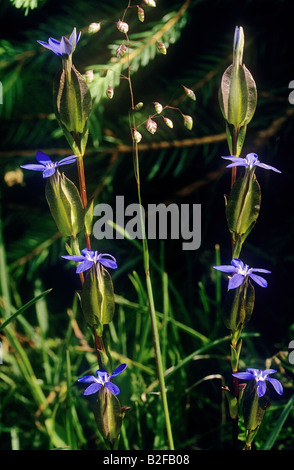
(159,363)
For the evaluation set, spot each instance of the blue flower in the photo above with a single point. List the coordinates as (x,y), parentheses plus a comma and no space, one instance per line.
(251,160)
(88,258)
(102,379)
(240,271)
(65,47)
(46,165)
(260,377)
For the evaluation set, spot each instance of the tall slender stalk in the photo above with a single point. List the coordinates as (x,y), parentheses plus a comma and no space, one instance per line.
(156,341)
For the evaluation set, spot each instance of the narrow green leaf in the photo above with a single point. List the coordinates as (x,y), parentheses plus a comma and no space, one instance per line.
(279,424)
(24,308)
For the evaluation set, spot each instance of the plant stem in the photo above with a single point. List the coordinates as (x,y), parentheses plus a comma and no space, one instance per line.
(156,342)
(83,190)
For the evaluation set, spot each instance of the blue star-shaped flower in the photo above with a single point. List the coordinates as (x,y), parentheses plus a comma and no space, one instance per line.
(65,47)
(46,165)
(251,160)
(260,377)
(102,379)
(240,271)
(89,257)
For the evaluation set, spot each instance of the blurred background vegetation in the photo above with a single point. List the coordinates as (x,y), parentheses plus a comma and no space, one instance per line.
(48,346)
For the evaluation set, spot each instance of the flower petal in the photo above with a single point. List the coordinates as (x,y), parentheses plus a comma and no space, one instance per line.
(49,172)
(42,158)
(267,167)
(225,268)
(258,279)
(78,258)
(112,388)
(89,252)
(277,385)
(267,372)
(235,281)
(92,389)
(244,375)
(55,46)
(118,370)
(233,159)
(87,379)
(84,266)
(241,162)
(260,270)
(261,388)
(102,373)
(237,263)
(65,47)
(67,160)
(33,167)
(108,263)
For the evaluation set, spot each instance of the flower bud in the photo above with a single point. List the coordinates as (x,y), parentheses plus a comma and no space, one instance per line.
(141,14)
(97,298)
(189,93)
(139,106)
(161,48)
(137,136)
(150,3)
(122,27)
(108,415)
(89,75)
(158,107)
(65,205)
(237,95)
(109,92)
(73,103)
(151,126)
(121,50)
(254,408)
(168,122)
(238,308)
(188,121)
(94,28)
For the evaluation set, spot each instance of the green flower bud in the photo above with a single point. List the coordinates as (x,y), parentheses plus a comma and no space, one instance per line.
(238,308)
(108,415)
(188,122)
(65,205)
(97,298)
(242,209)
(73,104)
(254,408)
(237,95)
